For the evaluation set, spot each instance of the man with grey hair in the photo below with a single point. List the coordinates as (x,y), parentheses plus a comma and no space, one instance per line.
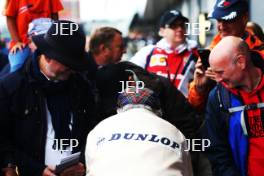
(137,141)
(234,115)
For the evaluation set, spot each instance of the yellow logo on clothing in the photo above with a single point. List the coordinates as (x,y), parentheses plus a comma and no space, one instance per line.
(158,60)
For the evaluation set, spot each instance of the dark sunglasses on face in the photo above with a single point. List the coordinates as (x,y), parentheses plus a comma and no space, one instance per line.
(177,24)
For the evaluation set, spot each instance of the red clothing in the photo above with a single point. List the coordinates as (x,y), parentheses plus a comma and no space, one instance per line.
(169,65)
(255,126)
(24,11)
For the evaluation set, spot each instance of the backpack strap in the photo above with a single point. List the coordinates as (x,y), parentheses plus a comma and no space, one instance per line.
(246,107)
(149,57)
(224,101)
(223,97)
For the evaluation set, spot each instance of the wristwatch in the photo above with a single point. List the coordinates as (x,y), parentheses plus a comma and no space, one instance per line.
(12,166)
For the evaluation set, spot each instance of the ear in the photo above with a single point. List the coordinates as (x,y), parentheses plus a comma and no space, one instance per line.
(245,18)
(161,32)
(103,48)
(48,60)
(241,62)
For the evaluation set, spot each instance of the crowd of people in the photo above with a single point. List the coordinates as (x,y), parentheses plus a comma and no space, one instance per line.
(134,117)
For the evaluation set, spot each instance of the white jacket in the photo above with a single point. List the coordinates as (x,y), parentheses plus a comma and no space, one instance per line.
(136,143)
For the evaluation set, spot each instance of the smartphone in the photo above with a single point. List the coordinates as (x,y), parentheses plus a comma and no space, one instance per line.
(67,162)
(204,55)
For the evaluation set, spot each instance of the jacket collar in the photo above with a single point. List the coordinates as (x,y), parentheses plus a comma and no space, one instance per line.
(187,45)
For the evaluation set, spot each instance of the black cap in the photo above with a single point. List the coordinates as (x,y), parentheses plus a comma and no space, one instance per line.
(170,16)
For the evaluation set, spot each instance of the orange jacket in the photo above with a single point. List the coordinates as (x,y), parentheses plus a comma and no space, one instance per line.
(253,42)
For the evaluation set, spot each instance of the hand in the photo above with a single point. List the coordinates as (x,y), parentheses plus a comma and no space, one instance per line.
(17,46)
(9,172)
(76,170)
(49,171)
(32,46)
(210,74)
(201,77)
(4,12)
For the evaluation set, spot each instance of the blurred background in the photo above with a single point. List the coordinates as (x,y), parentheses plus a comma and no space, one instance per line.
(138,19)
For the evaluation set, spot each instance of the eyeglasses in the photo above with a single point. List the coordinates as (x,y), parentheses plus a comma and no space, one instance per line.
(176,24)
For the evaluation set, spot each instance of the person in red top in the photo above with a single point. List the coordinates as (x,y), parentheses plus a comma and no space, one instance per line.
(19,13)
(234,120)
(170,57)
(232,17)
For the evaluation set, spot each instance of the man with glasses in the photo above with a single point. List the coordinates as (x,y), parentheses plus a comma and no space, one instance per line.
(234,112)
(170,56)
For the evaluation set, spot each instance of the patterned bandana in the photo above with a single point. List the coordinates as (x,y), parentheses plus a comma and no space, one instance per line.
(134,96)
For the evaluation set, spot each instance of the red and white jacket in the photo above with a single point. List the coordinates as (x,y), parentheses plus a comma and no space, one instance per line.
(165,61)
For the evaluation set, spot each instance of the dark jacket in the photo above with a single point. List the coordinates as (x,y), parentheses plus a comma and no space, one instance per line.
(228,151)
(216,130)
(3,60)
(23,121)
(175,107)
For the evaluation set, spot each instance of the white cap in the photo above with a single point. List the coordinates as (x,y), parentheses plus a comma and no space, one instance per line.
(39,26)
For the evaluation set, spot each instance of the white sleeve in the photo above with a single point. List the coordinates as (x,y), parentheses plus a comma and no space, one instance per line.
(188,171)
(89,152)
(140,58)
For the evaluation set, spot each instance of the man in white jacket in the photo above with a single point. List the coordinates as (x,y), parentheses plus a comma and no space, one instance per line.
(136,141)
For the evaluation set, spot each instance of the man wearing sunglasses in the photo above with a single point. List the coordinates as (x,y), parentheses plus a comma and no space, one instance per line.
(170,56)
